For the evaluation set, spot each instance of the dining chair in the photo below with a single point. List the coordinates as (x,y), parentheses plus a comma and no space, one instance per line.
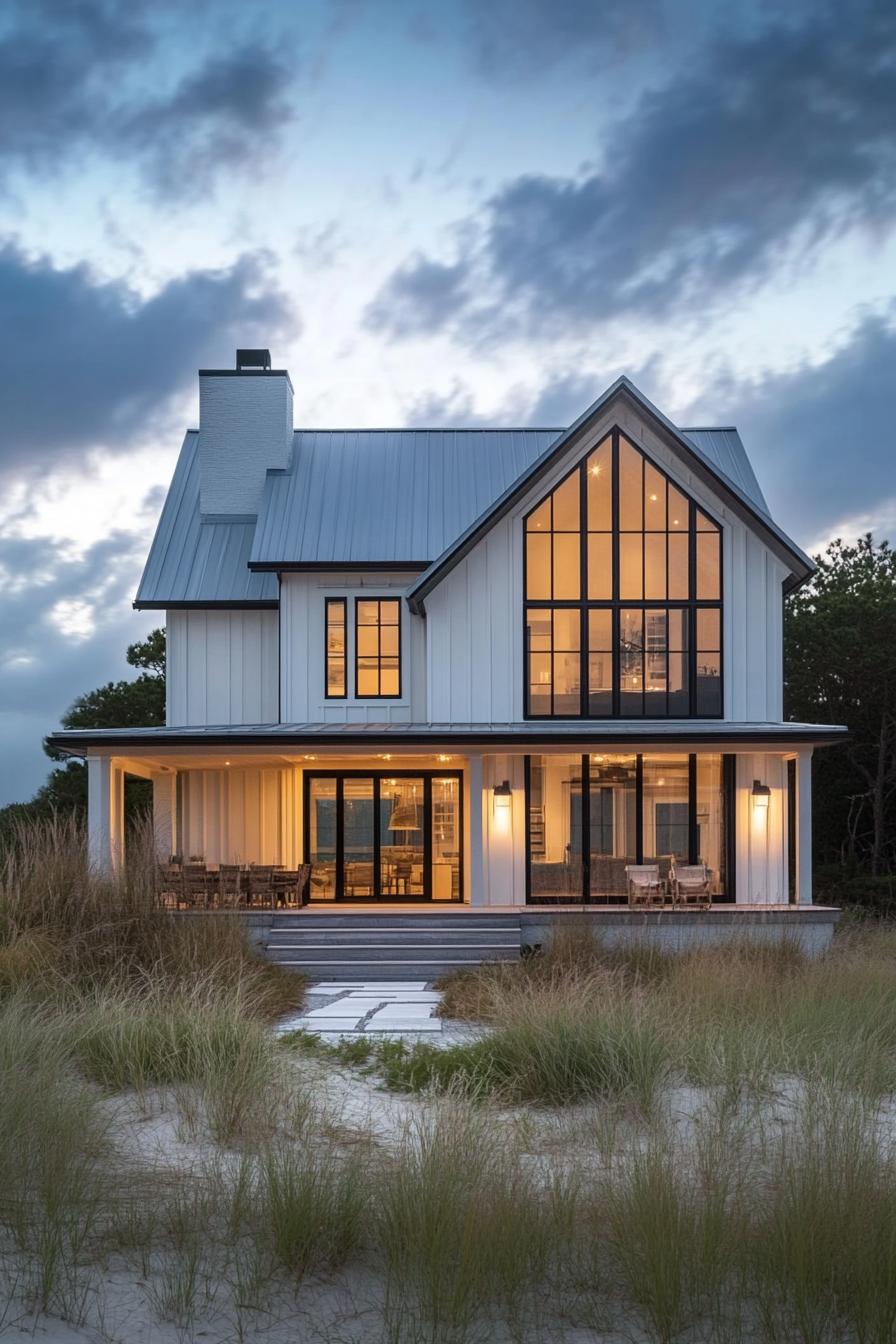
(230,884)
(196,884)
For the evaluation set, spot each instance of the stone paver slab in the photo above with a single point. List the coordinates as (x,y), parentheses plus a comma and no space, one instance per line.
(324,1025)
(396,1024)
(347,1008)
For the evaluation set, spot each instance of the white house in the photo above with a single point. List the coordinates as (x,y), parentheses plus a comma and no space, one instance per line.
(498,667)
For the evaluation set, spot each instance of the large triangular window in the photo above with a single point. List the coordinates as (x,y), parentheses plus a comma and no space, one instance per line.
(623,595)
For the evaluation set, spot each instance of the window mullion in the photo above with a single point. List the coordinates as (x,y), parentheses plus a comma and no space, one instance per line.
(693,829)
(584,704)
(586,827)
(614,557)
(639,809)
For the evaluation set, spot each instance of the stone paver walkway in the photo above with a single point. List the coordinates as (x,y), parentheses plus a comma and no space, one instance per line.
(366,1008)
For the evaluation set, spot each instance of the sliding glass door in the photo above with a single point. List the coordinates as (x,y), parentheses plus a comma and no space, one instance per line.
(378,835)
(590,817)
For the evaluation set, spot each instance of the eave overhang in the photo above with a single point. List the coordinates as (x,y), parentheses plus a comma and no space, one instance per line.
(522,736)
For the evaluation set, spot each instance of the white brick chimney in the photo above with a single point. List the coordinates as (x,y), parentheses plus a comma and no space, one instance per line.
(245,427)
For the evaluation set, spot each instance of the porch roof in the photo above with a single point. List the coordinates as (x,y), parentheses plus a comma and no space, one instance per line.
(531,734)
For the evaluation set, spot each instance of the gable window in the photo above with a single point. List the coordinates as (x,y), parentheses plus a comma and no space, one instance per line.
(623,591)
(335,648)
(377,648)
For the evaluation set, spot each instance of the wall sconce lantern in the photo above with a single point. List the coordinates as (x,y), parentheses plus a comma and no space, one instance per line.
(502,795)
(761,795)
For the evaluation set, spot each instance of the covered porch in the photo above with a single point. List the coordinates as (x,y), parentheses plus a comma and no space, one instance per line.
(494,817)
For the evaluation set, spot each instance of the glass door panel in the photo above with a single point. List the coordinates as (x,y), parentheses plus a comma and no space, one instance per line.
(612,828)
(321,845)
(357,840)
(402,857)
(445,839)
(555,812)
(389,837)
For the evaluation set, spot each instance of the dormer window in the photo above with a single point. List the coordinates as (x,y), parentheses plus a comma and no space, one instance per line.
(623,589)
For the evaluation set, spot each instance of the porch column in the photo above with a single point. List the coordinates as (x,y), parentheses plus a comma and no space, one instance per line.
(105,813)
(804,826)
(164,813)
(478,891)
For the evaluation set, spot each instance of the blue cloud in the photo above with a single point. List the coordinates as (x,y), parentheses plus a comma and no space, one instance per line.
(84,362)
(73,84)
(779,140)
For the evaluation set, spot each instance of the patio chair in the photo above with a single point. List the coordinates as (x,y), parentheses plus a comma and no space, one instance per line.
(691,884)
(261,886)
(168,885)
(230,884)
(290,884)
(645,886)
(196,884)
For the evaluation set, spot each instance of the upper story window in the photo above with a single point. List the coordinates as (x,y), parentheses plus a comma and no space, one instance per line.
(623,592)
(377,647)
(335,685)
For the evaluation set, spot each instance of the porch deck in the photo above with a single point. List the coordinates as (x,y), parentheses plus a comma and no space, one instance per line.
(373,941)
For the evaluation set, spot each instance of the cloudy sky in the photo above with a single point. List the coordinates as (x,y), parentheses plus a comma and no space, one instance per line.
(471,211)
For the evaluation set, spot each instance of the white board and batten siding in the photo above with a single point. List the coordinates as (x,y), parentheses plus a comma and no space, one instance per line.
(223,667)
(474,647)
(239,815)
(303,600)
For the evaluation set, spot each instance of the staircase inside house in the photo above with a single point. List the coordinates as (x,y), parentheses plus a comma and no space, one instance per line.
(384,945)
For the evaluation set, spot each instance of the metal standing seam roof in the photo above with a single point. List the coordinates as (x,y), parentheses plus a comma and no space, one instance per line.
(722,447)
(405,495)
(357,496)
(353,497)
(695,453)
(75,740)
(198,560)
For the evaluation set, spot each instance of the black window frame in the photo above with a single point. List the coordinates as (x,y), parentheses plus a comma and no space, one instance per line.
(728,784)
(328,694)
(377,778)
(379,695)
(615,604)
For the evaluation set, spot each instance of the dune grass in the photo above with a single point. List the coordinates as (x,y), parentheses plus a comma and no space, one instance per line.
(748,1225)
(739,1015)
(767,1216)
(62,922)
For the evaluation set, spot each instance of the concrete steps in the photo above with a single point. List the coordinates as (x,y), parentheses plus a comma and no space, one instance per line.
(389,946)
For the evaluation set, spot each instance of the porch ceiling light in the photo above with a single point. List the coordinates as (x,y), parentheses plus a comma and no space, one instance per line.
(761,794)
(502,795)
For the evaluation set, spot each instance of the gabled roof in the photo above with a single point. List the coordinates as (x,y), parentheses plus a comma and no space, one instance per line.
(412,499)
(196,561)
(699,449)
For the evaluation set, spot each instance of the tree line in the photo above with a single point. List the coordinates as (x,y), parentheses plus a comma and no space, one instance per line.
(839,667)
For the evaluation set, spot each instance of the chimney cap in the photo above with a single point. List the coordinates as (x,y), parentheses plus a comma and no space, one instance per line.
(253,359)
